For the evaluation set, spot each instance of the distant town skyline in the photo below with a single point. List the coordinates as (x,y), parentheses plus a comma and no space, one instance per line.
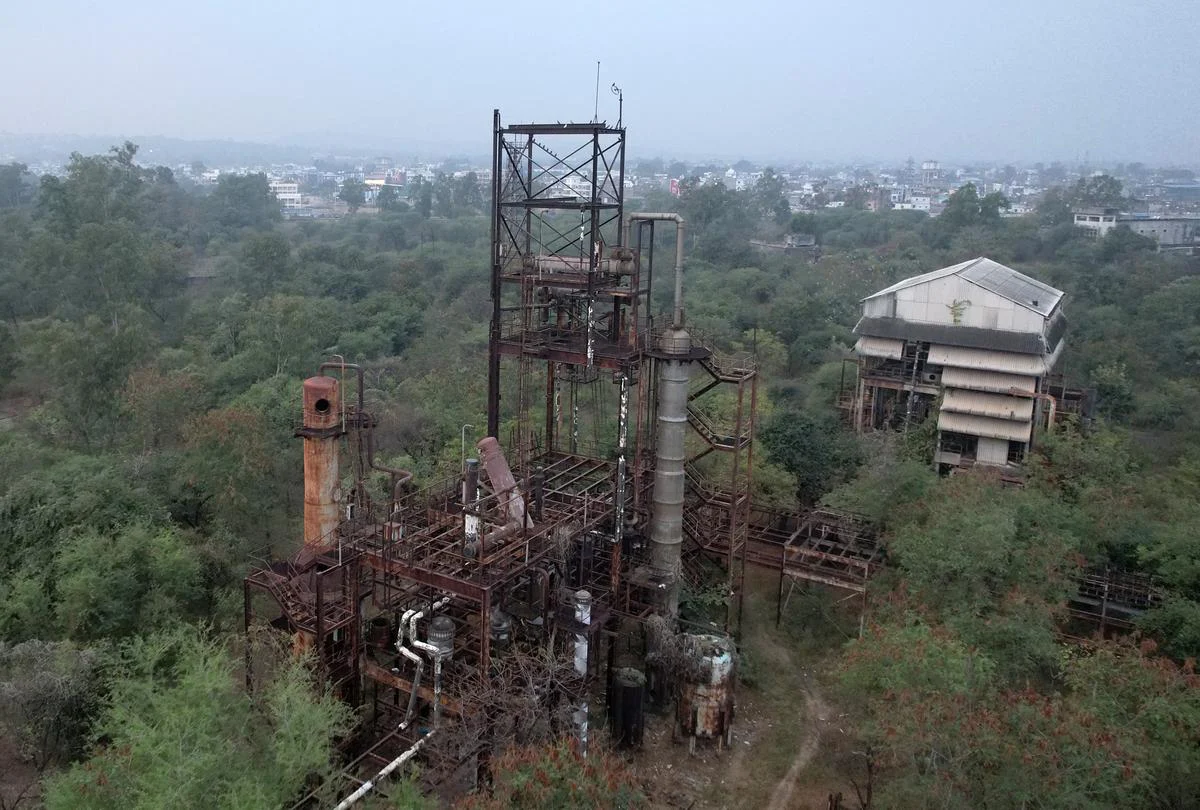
(875,81)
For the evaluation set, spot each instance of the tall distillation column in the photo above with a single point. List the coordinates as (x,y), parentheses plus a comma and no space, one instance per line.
(666,520)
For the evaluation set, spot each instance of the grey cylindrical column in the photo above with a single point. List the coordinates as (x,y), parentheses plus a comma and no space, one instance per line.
(666,521)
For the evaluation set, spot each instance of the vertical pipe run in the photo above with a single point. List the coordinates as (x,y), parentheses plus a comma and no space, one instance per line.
(493,403)
(470,503)
(583,615)
(622,442)
(322,427)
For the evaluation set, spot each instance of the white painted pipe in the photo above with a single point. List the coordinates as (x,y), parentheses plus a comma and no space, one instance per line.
(434,652)
(424,646)
(416,684)
(370,784)
(583,615)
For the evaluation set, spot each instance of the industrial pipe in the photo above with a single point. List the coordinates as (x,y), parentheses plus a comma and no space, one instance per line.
(1021,392)
(370,784)
(420,664)
(674,373)
(415,616)
(432,650)
(416,684)
(504,484)
(399,477)
(470,499)
(677,315)
(583,615)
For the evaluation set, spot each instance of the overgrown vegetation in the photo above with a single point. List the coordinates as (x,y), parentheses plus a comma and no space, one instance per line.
(152,347)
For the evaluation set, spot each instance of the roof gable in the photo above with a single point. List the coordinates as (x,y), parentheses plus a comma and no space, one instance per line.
(994,277)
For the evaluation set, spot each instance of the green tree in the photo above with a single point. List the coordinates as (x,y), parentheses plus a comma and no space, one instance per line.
(244,201)
(86,364)
(1100,191)
(991,563)
(443,195)
(467,194)
(1055,207)
(15,189)
(388,199)
(266,262)
(769,197)
(97,189)
(423,194)
(966,208)
(353,194)
(1114,390)
(814,449)
(948,733)
(176,731)
(139,579)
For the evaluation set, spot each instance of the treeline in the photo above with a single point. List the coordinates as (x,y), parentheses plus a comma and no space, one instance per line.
(153,344)
(154,340)
(961,688)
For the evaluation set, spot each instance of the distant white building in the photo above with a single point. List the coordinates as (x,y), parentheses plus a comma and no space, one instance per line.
(914,202)
(972,346)
(931,173)
(288,194)
(1169,233)
(1097,220)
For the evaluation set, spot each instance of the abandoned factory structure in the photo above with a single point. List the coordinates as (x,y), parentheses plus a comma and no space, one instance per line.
(974,347)
(538,591)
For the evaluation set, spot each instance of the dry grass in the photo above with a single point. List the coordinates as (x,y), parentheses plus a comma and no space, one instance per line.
(789,743)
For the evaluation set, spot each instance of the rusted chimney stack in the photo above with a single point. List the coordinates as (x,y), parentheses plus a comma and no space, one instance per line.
(323,424)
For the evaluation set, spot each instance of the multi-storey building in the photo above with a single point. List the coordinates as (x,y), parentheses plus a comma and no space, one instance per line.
(972,346)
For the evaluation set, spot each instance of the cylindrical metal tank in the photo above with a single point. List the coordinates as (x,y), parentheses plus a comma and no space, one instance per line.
(379,634)
(500,627)
(322,427)
(441,634)
(666,520)
(627,707)
(704,707)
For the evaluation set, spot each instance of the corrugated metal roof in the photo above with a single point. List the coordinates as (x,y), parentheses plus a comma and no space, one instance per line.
(985,380)
(933,275)
(997,406)
(1016,287)
(1029,365)
(879,347)
(983,426)
(994,277)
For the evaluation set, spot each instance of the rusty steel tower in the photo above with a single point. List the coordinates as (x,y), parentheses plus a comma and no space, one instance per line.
(608,473)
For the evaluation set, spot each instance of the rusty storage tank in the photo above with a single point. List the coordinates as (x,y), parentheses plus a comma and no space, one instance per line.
(627,706)
(704,709)
(321,431)
(379,636)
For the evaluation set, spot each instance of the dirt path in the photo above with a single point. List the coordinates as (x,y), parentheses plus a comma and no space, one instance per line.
(815,713)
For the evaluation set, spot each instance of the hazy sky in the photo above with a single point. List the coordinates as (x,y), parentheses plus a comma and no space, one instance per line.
(829,80)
